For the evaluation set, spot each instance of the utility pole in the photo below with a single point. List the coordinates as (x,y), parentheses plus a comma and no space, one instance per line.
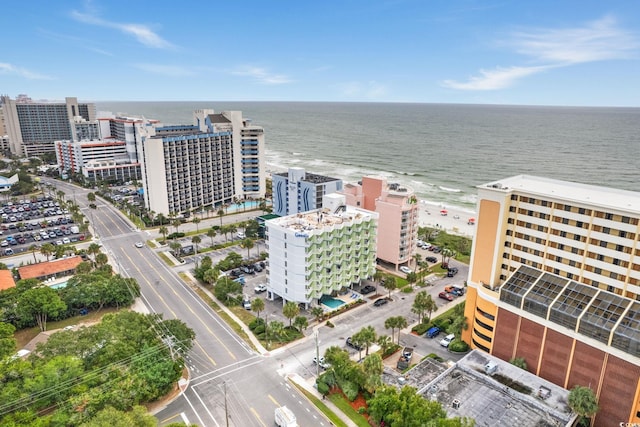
(226,409)
(315,334)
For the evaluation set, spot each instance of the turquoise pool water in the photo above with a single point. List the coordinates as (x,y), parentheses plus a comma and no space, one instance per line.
(59,285)
(247,204)
(331,302)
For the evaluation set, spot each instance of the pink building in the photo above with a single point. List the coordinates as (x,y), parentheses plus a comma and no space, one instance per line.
(397,207)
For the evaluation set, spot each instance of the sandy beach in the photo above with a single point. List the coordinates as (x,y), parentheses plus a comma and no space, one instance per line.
(451,219)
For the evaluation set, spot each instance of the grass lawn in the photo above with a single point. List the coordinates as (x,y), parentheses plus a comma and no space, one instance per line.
(335,420)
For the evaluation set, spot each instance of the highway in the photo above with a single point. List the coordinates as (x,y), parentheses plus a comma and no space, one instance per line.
(227,376)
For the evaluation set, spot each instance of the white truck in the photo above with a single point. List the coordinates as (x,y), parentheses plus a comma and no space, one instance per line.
(285,417)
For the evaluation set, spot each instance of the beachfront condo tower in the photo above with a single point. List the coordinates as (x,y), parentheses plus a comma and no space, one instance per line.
(216,161)
(298,191)
(397,208)
(320,253)
(555,279)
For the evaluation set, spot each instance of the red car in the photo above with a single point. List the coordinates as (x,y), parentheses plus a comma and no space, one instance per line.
(446,295)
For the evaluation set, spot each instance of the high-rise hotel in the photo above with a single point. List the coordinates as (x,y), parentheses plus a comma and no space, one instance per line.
(555,279)
(216,161)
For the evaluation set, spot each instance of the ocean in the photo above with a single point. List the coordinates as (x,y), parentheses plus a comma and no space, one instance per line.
(441,151)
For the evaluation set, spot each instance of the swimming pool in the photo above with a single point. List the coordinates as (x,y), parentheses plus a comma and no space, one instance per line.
(247,204)
(59,285)
(331,302)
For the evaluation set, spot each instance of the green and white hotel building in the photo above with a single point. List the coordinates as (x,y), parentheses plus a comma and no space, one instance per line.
(320,252)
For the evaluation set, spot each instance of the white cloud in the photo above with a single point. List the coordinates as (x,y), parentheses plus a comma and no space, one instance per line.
(166,70)
(262,76)
(142,33)
(498,78)
(553,48)
(22,72)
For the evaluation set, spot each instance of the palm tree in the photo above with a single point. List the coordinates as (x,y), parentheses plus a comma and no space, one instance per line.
(391,323)
(196,221)
(377,277)
(47,250)
(176,224)
(175,247)
(430,306)
(102,259)
(195,240)
(367,337)
(33,248)
(385,342)
(163,230)
(317,312)
(211,233)
(276,329)
(290,310)
(248,244)
(220,214)
(401,322)
(93,249)
(257,305)
(417,258)
(390,284)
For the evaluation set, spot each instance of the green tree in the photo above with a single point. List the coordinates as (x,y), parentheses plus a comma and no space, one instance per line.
(102,259)
(196,221)
(111,417)
(33,248)
(420,304)
(395,322)
(317,312)
(176,223)
(220,214)
(390,284)
(300,322)
(582,400)
(373,368)
(47,250)
(40,304)
(7,340)
(377,278)
(91,197)
(196,240)
(430,306)
(276,330)
(248,245)
(175,248)
(290,310)
(212,233)
(93,250)
(412,278)
(385,342)
(211,275)
(164,231)
(368,336)
(257,305)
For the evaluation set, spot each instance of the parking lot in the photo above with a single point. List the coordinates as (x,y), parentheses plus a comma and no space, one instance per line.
(38,221)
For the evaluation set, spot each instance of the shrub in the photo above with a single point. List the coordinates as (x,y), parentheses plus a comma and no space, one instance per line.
(259,329)
(435,357)
(256,322)
(350,389)
(458,346)
(421,328)
(329,324)
(175,235)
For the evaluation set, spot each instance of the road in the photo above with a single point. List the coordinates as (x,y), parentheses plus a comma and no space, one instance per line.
(219,361)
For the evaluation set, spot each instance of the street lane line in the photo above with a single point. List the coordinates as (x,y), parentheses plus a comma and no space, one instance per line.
(273,400)
(255,414)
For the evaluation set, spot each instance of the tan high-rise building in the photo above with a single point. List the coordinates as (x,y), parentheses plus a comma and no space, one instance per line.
(555,279)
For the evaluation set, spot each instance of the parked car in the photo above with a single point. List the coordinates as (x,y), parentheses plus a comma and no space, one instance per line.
(367,289)
(260,288)
(247,269)
(432,332)
(321,362)
(353,345)
(447,340)
(452,272)
(431,259)
(455,290)
(445,295)
(257,268)
(405,269)
(380,302)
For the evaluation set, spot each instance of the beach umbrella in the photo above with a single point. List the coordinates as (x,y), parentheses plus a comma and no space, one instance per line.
(472,221)
(444,212)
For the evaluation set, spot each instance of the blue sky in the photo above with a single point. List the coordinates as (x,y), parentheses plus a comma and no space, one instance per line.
(468,51)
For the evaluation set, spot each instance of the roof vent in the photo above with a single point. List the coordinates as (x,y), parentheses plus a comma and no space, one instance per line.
(455,404)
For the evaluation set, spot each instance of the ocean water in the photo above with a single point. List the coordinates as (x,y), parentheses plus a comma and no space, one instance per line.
(441,151)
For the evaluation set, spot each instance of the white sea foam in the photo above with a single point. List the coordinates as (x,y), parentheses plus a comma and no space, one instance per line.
(449,190)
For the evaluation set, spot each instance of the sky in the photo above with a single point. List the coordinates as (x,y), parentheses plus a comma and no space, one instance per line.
(522,52)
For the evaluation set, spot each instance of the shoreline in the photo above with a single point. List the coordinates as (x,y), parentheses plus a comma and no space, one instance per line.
(449,218)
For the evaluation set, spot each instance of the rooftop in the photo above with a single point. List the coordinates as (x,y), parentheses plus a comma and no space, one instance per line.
(319,219)
(6,280)
(466,390)
(43,269)
(311,177)
(611,198)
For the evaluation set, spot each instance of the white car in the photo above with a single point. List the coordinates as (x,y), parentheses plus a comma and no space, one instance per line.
(260,288)
(139,245)
(447,340)
(405,269)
